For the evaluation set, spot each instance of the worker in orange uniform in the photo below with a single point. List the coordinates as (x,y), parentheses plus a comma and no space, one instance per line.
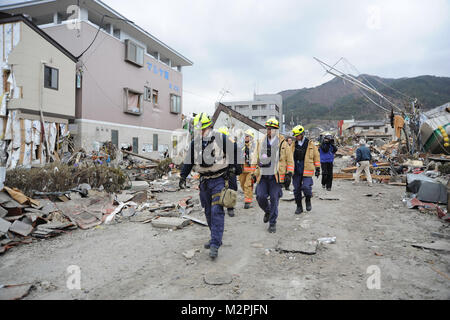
(247,177)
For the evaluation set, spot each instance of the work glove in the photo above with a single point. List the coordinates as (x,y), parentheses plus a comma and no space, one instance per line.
(238,170)
(287,181)
(317,174)
(358,164)
(182,183)
(253,179)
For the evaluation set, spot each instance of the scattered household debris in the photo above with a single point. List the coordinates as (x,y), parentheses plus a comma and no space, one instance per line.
(15,291)
(189,254)
(327,240)
(218,278)
(437,245)
(295,245)
(169,222)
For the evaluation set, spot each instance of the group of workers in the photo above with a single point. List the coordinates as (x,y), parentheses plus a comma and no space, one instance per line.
(271,163)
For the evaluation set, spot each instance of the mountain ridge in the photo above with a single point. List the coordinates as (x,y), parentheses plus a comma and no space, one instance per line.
(338,99)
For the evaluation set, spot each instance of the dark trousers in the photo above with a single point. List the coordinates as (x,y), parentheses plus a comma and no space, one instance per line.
(232,184)
(302,184)
(268,187)
(327,174)
(215,216)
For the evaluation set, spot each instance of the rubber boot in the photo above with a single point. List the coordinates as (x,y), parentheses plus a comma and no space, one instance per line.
(266,217)
(207,245)
(247,206)
(213,252)
(299,209)
(230,212)
(308,203)
(272,228)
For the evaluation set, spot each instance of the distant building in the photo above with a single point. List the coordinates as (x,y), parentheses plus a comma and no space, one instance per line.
(260,109)
(129,83)
(371,130)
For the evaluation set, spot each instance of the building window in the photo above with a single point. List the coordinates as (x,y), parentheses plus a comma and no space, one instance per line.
(135,145)
(51,77)
(366,128)
(155,142)
(175,103)
(263,107)
(133,102)
(134,53)
(385,130)
(155,97)
(115,137)
(255,107)
(116,33)
(147,94)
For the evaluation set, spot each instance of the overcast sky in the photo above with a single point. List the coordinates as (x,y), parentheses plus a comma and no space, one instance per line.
(268,46)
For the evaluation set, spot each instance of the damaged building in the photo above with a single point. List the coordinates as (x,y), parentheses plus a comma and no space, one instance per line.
(129,84)
(37,93)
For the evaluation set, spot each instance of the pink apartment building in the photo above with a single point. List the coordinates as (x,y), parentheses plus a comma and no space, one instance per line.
(128,83)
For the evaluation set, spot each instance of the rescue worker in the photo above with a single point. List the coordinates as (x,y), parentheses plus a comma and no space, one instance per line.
(306,158)
(210,154)
(247,177)
(327,150)
(275,168)
(232,179)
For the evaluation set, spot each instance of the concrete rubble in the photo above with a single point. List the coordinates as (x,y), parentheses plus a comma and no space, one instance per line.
(51,204)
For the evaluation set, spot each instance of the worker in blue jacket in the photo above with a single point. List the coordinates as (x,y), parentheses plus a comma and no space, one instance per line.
(327,150)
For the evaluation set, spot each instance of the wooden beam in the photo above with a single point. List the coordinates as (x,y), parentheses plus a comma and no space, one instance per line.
(139,156)
(349,176)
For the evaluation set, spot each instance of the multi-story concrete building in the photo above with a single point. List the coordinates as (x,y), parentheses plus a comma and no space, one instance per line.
(261,108)
(129,83)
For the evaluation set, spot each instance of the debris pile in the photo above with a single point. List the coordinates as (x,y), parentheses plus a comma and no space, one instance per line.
(425,176)
(72,197)
(63,178)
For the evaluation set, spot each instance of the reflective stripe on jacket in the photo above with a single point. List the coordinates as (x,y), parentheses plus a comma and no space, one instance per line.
(251,166)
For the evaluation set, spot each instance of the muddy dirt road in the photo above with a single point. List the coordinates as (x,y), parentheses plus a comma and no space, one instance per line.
(131,260)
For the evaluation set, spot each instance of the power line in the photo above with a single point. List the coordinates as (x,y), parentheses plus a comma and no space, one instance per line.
(100,25)
(356,82)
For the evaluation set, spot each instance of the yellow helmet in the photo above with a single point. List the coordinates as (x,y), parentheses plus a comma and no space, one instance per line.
(250,133)
(272,123)
(202,121)
(298,130)
(224,130)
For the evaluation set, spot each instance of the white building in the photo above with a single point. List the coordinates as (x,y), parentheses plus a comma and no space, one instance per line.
(260,109)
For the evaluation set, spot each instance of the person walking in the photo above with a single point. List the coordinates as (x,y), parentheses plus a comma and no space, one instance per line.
(307,160)
(210,154)
(275,168)
(327,150)
(363,158)
(247,177)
